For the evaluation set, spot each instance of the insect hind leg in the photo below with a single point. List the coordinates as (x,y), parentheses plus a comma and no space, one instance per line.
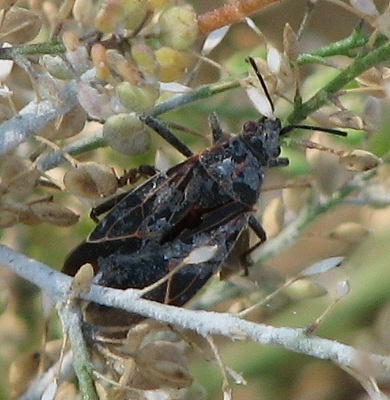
(278,162)
(166,134)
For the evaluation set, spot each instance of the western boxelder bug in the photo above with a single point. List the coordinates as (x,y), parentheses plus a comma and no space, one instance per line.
(207,200)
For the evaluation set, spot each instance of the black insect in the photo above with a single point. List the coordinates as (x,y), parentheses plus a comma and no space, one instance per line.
(207,200)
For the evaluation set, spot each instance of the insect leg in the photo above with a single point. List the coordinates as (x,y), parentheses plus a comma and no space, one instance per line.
(260,233)
(166,134)
(257,228)
(216,129)
(105,206)
(278,162)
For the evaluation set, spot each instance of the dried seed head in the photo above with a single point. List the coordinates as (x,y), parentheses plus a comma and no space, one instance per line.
(91,180)
(172,64)
(19,25)
(163,363)
(12,214)
(279,65)
(123,67)
(71,123)
(96,104)
(359,160)
(346,119)
(56,66)
(109,16)
(350,232)
(18,174)
(273,217)
(290,43)
(51,213)
(145,59)
(137,98)
(78,59)
(372,114)
(126,134)
(269,78)
(179,27)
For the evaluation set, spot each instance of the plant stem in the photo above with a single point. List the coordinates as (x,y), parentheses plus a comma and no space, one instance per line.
(323,96)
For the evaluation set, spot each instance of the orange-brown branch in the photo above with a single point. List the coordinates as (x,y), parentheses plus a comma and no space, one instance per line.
(229,13)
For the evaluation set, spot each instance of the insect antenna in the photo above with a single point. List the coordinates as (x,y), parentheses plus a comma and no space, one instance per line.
(288,128)
(262,82)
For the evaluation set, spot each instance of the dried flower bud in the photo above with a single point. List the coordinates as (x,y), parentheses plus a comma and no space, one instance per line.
(19,26)
(179,27)
(290,43)
(173,64)
(350,232)
(83,12)
(137,98)
(91,180)
(359,160)
(82,280)
(126,134)
(135,12)
(100,61)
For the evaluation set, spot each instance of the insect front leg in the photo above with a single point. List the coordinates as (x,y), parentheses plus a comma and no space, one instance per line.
(166,134)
